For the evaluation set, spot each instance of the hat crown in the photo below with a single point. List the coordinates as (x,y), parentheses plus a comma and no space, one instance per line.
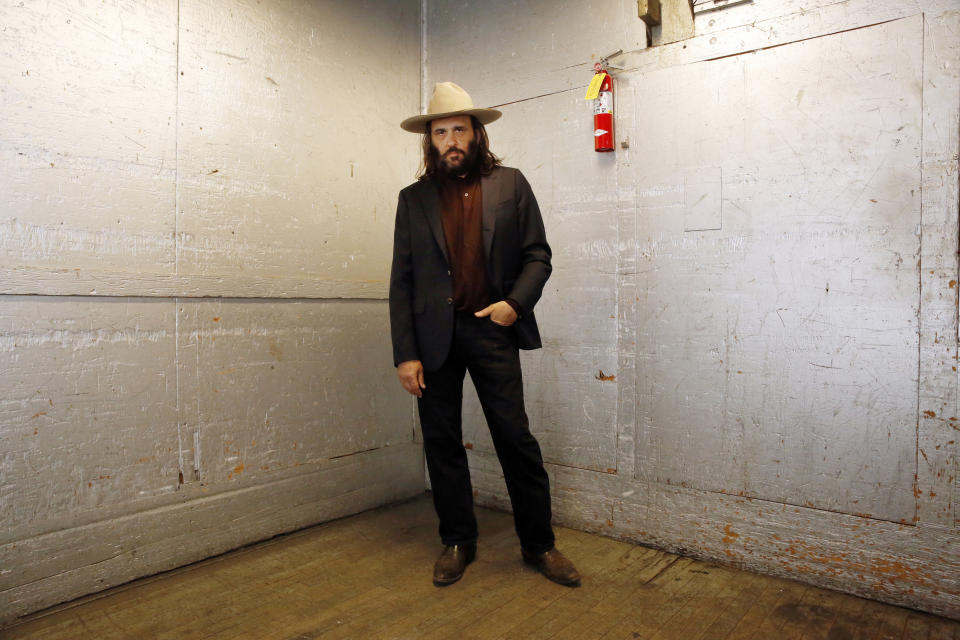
(447,97)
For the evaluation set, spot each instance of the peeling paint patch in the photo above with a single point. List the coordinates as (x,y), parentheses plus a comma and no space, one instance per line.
(605,378)
(731,536)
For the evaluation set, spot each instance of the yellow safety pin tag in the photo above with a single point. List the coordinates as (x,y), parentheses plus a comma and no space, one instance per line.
(594,89)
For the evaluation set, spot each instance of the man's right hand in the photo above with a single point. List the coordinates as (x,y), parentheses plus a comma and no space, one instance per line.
(410,373)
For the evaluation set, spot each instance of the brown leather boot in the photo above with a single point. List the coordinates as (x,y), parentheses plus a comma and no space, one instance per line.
(554,565)
(452,562)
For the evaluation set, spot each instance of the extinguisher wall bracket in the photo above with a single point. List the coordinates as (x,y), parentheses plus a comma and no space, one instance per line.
(606,65)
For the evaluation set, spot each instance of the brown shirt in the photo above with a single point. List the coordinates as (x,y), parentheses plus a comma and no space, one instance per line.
(462,206)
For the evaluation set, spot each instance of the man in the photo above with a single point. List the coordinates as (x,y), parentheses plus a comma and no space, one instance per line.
(470,260)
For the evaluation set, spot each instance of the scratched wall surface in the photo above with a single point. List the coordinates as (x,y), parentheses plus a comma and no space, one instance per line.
(194,243)
(316,144)
(272,387)
(88,143)
(750,338)
(777,342)
(89,409)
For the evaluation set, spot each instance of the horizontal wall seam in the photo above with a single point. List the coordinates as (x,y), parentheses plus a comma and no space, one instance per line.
(181,298)
(194,502)
(784,44)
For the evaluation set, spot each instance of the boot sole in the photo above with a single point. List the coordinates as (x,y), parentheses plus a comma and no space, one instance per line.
(446,583)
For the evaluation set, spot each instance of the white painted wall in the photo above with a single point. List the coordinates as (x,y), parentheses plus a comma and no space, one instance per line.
(195,231)
(194,241)
(750,334)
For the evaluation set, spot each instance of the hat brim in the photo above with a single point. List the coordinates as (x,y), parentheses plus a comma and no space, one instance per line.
(418,124)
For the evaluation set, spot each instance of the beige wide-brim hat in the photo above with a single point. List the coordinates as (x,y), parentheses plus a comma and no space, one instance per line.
(448,100)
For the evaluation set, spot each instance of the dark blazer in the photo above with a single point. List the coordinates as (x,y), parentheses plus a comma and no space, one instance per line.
(518,265)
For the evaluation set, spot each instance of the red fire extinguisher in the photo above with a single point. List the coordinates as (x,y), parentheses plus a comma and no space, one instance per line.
(603,113)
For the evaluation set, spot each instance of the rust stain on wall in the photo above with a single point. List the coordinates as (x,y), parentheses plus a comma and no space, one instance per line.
(605,378)
(885,570)
(731,536)
(275,349)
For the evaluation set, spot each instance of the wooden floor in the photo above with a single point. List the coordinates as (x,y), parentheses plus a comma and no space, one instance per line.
(369,576)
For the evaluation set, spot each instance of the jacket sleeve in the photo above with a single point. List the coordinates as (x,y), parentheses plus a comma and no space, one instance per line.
(535,256)
(401,289)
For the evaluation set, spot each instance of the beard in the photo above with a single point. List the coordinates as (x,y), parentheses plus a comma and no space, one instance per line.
(455,164)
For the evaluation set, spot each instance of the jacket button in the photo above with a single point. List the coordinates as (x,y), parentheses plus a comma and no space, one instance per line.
(448,272)
(449,300)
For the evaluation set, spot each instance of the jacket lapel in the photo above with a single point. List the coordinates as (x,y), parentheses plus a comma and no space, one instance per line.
(431,209)
(490,187)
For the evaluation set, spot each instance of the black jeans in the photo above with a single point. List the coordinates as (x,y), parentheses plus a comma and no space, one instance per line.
(489,352)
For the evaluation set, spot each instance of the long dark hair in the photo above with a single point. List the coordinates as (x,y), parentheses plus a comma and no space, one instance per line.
(486,160)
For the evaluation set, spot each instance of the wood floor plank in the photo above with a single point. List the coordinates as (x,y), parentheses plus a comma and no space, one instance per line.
(892,622)
(851,622)
(552,600)
(941,629)
(761,618)
(654,602)
(496,571)
(916,627)
(750,589)
(700,588)
(586,612)
(700,612)
(369,576)
(625,575)
(604,583)
(810,618)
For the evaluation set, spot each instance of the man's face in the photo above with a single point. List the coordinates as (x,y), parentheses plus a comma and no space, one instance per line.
(455,142)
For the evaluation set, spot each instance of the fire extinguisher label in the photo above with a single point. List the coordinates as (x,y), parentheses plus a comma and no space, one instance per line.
(594,87)
(603,103)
